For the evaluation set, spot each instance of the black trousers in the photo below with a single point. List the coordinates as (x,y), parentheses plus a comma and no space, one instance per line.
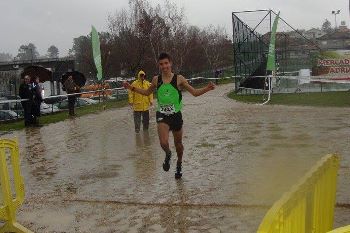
(71,105)
(28,116)
(145,120)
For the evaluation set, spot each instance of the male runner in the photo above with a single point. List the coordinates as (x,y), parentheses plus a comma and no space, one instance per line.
(169,117)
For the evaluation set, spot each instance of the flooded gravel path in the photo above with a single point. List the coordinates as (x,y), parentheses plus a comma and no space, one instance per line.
(93,174)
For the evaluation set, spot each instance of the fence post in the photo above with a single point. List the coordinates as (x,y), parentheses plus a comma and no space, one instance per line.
(309,211)
(8,205)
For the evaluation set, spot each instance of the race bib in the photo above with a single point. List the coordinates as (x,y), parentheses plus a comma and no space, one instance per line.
(167,109)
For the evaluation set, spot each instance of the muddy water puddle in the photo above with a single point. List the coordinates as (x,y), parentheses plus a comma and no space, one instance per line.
(93,174)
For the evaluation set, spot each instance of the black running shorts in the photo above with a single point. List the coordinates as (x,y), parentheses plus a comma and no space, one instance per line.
(174,121)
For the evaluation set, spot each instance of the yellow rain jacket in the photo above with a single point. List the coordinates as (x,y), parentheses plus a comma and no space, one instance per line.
(140,102)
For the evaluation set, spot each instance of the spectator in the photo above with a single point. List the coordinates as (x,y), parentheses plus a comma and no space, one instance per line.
(26,93)
(140,103)
(71,88)
(217,75)
(37,100)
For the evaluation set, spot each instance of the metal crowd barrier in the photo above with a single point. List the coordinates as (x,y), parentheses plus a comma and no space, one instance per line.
(14,106)
(10,200)
(309,206)
(100,95)
(65,95)
(101,91)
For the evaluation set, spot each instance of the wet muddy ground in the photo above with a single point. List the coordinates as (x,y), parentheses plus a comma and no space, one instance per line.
(94,174)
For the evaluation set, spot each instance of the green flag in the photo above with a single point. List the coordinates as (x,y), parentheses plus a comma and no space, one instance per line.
(96,51)
(271,61)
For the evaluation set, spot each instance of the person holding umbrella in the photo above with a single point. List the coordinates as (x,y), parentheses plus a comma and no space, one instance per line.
(72,83)
(26,94)
(71,88)
(31,91)
(37,100)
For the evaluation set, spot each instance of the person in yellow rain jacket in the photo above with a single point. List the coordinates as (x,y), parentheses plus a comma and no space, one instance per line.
(140,103)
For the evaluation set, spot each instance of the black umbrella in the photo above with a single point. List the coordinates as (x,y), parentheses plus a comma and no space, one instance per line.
(37,71)
(78,78)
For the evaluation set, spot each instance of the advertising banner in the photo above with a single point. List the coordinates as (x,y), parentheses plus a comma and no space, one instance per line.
(333,66)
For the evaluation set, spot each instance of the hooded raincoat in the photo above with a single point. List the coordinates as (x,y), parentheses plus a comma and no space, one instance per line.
(140,102)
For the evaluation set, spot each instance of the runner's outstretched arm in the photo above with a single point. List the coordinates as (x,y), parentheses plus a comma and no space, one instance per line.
(195,92)
(145,92)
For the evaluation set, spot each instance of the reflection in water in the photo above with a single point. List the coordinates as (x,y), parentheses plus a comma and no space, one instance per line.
(183,212)
(235,154)
(103,144)
(143,140)
(138,142)
(35,153)
(146,139)
(145,162)
(76,137)
(176,218)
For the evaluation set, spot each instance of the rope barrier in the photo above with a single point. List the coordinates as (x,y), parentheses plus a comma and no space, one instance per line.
(65,95)
(322,79)
(96,91)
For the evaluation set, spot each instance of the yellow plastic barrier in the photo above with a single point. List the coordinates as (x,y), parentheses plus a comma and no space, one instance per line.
(341,230)
(309,206)
(8,202)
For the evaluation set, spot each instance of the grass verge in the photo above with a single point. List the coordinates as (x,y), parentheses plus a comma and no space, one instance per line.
(61,116)
(325,99)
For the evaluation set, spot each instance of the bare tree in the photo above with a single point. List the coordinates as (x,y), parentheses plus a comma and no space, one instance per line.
(138,34)
(5,57)
(178,41)
(327,26)
(130,40)
(53,52)
(27,52)
(214,43)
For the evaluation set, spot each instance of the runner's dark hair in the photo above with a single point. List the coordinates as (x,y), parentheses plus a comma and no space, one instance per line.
(163,56)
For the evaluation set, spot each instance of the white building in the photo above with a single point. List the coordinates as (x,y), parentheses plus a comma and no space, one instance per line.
(314,34)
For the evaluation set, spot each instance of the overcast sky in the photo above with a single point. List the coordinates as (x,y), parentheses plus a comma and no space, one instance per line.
(57,22)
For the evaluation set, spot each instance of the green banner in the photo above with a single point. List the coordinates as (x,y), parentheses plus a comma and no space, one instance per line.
(271,61)
(96,51)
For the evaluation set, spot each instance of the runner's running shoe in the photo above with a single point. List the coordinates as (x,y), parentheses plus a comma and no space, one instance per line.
(178,174)
(166,164)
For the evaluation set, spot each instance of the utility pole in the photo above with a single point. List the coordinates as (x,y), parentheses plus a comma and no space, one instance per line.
(335,13)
